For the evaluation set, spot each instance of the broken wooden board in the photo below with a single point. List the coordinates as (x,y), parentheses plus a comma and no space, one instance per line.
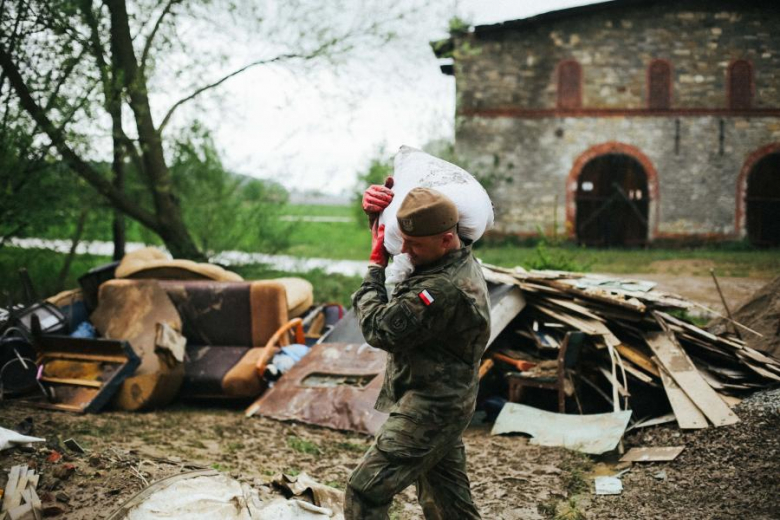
(657,454)
(630,368)
(638,358)
(688,416)
(673,358)
(579,309)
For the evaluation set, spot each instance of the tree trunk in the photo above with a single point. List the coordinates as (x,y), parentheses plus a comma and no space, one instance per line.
(74,244)
(118,225)
(170,223)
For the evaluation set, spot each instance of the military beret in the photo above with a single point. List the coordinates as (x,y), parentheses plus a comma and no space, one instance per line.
(425,212)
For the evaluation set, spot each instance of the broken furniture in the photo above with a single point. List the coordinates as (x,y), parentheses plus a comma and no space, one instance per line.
(559,379)
(140,313)
(224,321)
(228,326)
(81,375)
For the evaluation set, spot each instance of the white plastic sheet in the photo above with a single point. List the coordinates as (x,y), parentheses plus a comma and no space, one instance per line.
(11,439)
(594,434)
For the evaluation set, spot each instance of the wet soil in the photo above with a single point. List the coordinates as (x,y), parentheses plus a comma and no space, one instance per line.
(728,472)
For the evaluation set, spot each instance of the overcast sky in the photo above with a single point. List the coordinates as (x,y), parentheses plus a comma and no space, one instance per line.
(317,133)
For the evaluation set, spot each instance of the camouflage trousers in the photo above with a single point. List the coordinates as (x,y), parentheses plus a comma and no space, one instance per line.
(407,452)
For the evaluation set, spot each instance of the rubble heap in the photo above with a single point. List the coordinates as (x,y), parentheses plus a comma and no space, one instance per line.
(639,344)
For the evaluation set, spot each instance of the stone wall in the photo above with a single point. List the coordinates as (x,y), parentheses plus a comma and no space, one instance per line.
(533,158)
(508,126)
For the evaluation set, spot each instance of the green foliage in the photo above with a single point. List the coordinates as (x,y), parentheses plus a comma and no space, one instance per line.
(35,191)
(44,267)
(557,259)
(458,25)
(225,211)
(699,321)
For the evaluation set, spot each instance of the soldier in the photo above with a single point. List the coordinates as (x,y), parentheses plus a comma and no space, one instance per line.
(434,330)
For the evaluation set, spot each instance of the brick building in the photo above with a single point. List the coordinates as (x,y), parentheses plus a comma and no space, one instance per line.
(628,121)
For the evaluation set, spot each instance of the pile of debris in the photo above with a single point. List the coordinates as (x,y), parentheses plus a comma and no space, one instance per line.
(637,343)
(762,314)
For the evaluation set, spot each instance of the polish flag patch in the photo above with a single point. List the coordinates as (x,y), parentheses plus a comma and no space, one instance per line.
(426,297)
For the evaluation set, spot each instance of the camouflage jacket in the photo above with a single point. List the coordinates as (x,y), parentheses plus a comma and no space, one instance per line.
(434,330)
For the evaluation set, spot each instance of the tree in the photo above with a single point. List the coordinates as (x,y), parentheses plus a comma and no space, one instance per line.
(225,210)
(93,77)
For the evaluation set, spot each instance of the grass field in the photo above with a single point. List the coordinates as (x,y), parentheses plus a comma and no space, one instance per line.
(351,241)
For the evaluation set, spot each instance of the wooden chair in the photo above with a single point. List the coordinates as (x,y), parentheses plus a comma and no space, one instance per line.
(568,357)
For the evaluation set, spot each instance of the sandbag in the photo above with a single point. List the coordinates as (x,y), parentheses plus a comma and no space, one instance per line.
(416,169)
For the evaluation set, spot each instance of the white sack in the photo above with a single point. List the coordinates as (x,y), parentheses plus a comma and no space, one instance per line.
(416,169)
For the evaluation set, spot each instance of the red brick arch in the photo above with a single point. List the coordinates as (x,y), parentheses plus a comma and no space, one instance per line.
(612,147)
(740,225)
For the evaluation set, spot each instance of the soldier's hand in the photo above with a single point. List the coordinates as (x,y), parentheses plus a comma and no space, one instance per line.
(376,198)
(379,255)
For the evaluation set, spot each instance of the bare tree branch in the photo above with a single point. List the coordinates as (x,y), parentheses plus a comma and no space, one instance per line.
(112,89)
(282,57)
(79,166)
(148,45)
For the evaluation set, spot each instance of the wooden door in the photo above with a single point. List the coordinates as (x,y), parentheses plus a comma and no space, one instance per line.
(612,202)
(763,202)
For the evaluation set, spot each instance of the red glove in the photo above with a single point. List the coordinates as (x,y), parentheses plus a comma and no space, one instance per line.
(379,255)
(376,198)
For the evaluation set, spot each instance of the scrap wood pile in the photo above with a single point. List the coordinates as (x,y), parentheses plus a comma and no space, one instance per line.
(639,346)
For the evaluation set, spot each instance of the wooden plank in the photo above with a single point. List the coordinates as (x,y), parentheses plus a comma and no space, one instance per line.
(656,454)
(570,305)
(638,358)
(11,487)
(505,311)
(630,369)
(614,382)
(673,358)
(766,374)
(730,400)
(73,382)
(574,322)
(83,357)
(485,367)
(755,355)
(689,417)
(499,278)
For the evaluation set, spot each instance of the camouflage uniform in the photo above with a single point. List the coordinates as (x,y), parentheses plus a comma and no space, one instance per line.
(430,386)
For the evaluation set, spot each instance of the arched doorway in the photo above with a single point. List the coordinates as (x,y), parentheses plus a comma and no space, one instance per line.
(612,202)
(762,201)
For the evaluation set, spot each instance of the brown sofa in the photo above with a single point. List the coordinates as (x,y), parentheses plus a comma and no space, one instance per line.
(226,325)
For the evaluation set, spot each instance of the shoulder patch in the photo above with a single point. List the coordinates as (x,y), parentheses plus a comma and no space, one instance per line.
(426,297)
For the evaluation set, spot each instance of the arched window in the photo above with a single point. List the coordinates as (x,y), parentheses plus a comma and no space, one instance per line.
(569,85)
(740,85)
(659,85)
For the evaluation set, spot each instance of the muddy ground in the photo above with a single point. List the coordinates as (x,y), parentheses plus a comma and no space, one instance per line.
(728,472)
